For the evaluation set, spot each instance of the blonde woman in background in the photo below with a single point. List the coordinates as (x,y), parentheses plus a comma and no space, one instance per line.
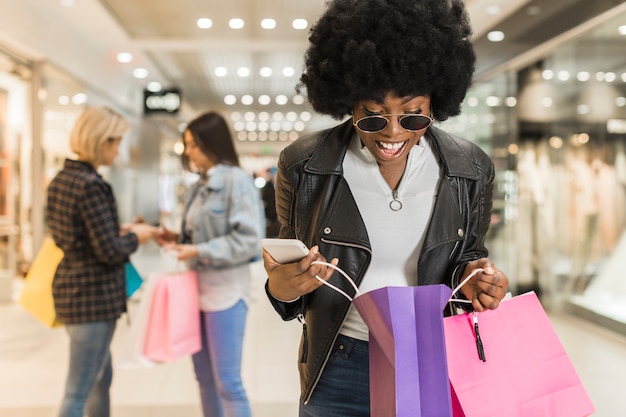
(89,286)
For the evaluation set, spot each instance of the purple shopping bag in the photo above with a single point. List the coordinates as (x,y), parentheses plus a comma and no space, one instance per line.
(408,368)
(407,350)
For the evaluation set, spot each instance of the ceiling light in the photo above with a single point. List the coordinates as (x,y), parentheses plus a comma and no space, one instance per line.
(268,23)
(492,101)
(229,100)
(204,23)
(264,116)
(510,101)
(583,76)
(609,77)
(622,30)
(299,24)
(493,10)
(305,116)
(154,86)
(472,101)
(68,3)
(64,100)
(547,74)
(495,36)
(264,100)
(563,75)
(288,72)
(249,116)
(263,126)
(80,98)
(236,23)
(247,99)
(140,73)
(620,101)
(124,57)
(265,72)
(220,72)
(298,99)
(281,99)
(243,72)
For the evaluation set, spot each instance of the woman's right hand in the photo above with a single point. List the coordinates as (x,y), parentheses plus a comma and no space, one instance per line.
(290,281)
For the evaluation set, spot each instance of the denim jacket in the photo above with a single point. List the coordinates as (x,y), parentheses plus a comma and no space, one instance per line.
(231,222)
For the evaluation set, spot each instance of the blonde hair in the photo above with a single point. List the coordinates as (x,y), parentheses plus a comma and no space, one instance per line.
(93,127)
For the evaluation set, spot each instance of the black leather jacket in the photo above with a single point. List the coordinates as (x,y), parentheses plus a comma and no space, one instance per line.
(315,205)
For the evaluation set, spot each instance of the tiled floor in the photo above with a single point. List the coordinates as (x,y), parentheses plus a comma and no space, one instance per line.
(33,364)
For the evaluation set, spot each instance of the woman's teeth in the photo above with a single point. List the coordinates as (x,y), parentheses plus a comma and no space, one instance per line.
(391,148)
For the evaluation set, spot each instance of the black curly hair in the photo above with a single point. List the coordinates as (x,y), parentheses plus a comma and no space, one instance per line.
(364,49)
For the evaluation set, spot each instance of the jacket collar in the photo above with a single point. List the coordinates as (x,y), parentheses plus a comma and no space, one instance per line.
(328,157)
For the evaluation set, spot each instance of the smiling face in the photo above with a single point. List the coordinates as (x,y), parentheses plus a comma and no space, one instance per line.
(391,145)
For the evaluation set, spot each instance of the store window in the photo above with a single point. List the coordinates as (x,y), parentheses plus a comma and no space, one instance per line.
(556,129)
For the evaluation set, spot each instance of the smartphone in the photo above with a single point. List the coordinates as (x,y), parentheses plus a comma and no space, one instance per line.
(285,250)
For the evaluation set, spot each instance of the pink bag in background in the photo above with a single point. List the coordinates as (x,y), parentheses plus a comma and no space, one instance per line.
(174,323)
(526,371)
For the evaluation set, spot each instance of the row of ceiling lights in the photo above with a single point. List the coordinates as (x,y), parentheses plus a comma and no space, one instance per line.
(238,23)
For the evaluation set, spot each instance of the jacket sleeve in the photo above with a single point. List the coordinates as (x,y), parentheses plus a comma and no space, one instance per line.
(245,227)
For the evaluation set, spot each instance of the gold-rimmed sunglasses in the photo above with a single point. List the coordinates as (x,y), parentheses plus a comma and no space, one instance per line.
(376,123)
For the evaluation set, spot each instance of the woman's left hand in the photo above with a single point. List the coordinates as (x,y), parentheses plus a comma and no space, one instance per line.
(183,251)
(486,288)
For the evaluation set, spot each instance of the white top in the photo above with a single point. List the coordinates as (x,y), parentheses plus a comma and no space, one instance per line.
(396,236)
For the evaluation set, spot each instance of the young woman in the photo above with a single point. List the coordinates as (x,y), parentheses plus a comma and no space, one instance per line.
(89,286)
(388,197)
(223,224)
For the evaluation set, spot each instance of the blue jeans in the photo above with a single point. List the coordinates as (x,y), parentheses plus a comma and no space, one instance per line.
(218,364)
(90,371)
(343,389)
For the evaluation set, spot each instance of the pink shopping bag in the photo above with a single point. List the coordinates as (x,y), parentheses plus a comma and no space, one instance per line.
(174,324)
(525,372)
(407,352)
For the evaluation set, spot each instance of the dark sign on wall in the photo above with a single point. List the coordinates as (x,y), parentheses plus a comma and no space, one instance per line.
(164,101)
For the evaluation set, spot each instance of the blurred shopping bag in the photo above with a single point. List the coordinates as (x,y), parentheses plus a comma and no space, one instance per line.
(173,329)
(133,279)
(524,370)
(407,351)
(36,296)
(131,352)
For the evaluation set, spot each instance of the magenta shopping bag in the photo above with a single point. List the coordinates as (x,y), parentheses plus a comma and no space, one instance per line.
(407,351)
(174,323)
(524,371)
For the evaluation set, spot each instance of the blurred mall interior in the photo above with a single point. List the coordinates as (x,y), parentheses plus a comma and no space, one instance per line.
(548,105)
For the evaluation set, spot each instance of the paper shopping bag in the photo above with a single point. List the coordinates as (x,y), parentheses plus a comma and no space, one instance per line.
(174,324)
(131,353)
(36,296)
(526,371)
(407,351)
(133,279)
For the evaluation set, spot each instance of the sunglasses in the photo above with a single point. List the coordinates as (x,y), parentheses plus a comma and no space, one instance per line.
(373,124)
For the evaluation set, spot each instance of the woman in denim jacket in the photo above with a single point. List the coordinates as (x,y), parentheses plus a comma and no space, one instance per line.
(220,235)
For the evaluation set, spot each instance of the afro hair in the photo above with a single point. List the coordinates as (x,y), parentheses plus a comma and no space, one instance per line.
(364,49)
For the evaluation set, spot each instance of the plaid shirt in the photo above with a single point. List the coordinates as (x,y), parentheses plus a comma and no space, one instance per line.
(81,213)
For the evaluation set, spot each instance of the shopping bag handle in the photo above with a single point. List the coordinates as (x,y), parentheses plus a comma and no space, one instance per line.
(356,289)
(458,287)
(341,271)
